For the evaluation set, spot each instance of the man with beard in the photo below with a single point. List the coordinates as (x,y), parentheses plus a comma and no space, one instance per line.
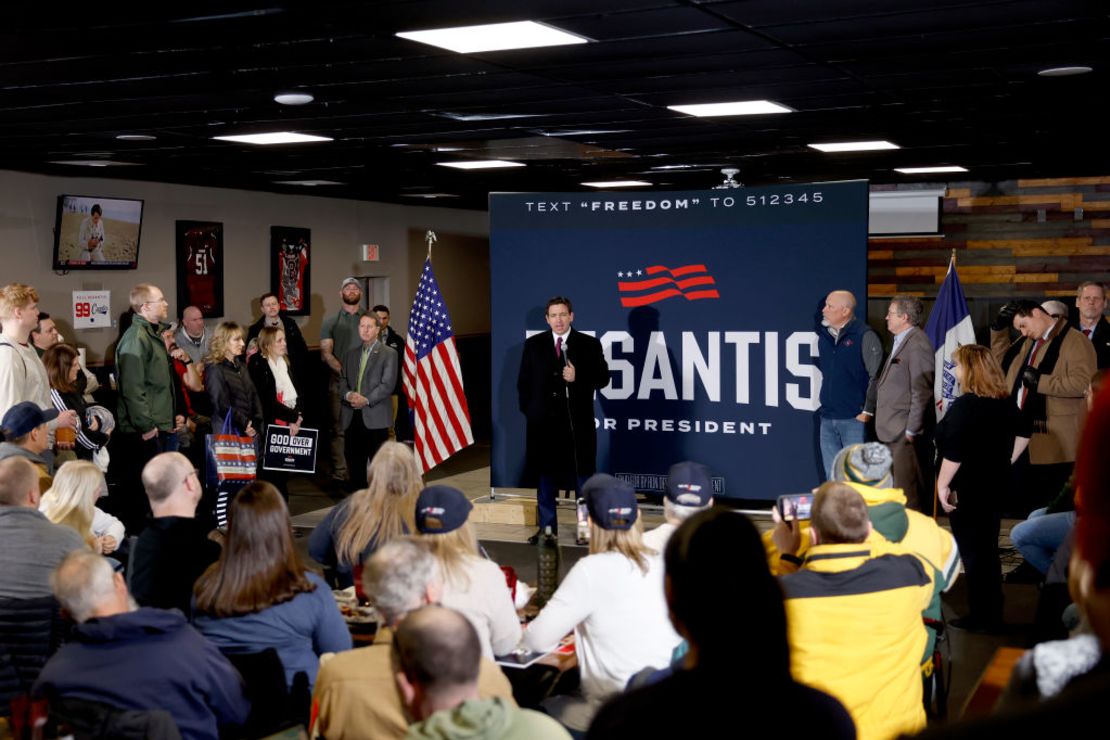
(338,336)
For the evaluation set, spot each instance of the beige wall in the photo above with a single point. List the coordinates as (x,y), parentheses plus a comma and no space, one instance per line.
(27,210)
(461,266)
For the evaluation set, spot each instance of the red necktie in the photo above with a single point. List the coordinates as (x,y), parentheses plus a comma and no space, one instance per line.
(559,347)
(1088,332)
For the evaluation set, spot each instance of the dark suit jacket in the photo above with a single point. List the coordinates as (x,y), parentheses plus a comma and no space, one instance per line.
(294,340)
(264,383)
(1101,342)
(901,397)
(561,428)
(377,385)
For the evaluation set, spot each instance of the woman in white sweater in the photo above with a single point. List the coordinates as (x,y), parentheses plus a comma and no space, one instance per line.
(613,600)
(472,584)
(71,502)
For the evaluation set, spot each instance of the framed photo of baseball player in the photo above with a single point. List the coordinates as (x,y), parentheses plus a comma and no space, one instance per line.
(290,259)
(200,267)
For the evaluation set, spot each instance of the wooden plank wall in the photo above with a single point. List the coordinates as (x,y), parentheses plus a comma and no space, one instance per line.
(1024,238)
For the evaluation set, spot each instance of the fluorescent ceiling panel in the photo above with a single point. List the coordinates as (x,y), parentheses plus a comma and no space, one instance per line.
(735,108)
(854,146)
(494,37)
(480,164)
(929,170)
(275,137)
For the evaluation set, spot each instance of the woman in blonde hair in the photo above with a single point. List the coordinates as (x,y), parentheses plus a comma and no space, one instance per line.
(71,502)
(472,584)
(369,518)
(978,438)
(613,600)
(228,382)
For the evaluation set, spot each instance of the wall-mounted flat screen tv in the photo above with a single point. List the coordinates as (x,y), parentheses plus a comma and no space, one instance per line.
(92,233)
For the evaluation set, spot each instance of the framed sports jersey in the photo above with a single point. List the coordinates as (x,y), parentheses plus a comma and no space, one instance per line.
(200,267)
(290,258)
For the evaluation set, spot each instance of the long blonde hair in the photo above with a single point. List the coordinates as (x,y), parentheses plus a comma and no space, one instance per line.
(221,337)
(628,542)
(71,500)
(452,550)
(384,510)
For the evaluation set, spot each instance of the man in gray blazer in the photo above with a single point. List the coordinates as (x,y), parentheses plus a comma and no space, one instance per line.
(901,400)
(366,411)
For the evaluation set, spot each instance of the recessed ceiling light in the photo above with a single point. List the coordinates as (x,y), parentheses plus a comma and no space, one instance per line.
(494,37)
(929,170)
(854,146)
(1064,71)
(480,164)
(294,98)
(308,183)
(618,184)
(92,163)
(276,137)
(736,108)
(136,137)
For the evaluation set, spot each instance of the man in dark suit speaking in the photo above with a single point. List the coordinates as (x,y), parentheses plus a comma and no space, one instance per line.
(559,372)
(366,411)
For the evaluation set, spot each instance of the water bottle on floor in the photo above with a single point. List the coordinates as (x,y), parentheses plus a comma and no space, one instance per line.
(547,566)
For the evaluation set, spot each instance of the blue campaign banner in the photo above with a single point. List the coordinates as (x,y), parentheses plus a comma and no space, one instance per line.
(705,303)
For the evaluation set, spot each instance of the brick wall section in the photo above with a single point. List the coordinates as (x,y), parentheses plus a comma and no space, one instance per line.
(1024,238)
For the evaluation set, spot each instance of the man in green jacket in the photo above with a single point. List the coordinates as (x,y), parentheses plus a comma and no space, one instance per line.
(145,414)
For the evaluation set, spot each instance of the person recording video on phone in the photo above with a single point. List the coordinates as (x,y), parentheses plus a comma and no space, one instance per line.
(559,372)
(91,236)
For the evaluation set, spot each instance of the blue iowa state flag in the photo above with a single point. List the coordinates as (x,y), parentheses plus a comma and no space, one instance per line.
(949,326)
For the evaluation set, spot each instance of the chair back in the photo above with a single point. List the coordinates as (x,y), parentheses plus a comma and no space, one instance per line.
(31,630)
(274,706)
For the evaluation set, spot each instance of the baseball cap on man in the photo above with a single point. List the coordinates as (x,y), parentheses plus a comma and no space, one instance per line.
(441,509)
(350,281)
(610,501)
(868,464)
(688,484)
(23,417)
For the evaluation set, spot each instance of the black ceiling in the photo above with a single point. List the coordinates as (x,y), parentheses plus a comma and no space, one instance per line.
(951,81)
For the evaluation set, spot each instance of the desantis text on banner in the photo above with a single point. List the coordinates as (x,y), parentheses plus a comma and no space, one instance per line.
(705,303)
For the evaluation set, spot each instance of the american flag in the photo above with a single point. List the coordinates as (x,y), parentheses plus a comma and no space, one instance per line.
(433,381)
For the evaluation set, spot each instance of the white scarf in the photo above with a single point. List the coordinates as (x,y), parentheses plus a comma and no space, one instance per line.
(285,390)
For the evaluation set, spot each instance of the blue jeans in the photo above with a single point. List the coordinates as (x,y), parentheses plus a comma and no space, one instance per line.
(836,434)
(1040,536)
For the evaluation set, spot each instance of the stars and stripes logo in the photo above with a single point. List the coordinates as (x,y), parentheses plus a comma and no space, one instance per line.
(658,283)
(433,380)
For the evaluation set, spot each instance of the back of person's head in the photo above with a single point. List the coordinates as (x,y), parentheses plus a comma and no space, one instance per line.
(443,521)
(689,490)
(83,583)
(398,577)
(384,509)
(164,475)
(982,374)
(71,500)
(717,552)
(868,464)
(18,478)
(438,653)
(839,515)
(615,519)
(259,565)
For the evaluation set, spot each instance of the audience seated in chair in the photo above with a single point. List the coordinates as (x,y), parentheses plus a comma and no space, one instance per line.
(371,517)
(356,696)
(137,658)
(472,584)
(174,549)
(30,631)
(613,601)
(854,613)
(437,653)
(30,545)
(25,434)
(258,595)
(739,657)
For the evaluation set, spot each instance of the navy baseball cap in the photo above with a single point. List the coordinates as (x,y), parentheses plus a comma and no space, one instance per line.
(610,501)
(689,484)
(441,509)
(23,417)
